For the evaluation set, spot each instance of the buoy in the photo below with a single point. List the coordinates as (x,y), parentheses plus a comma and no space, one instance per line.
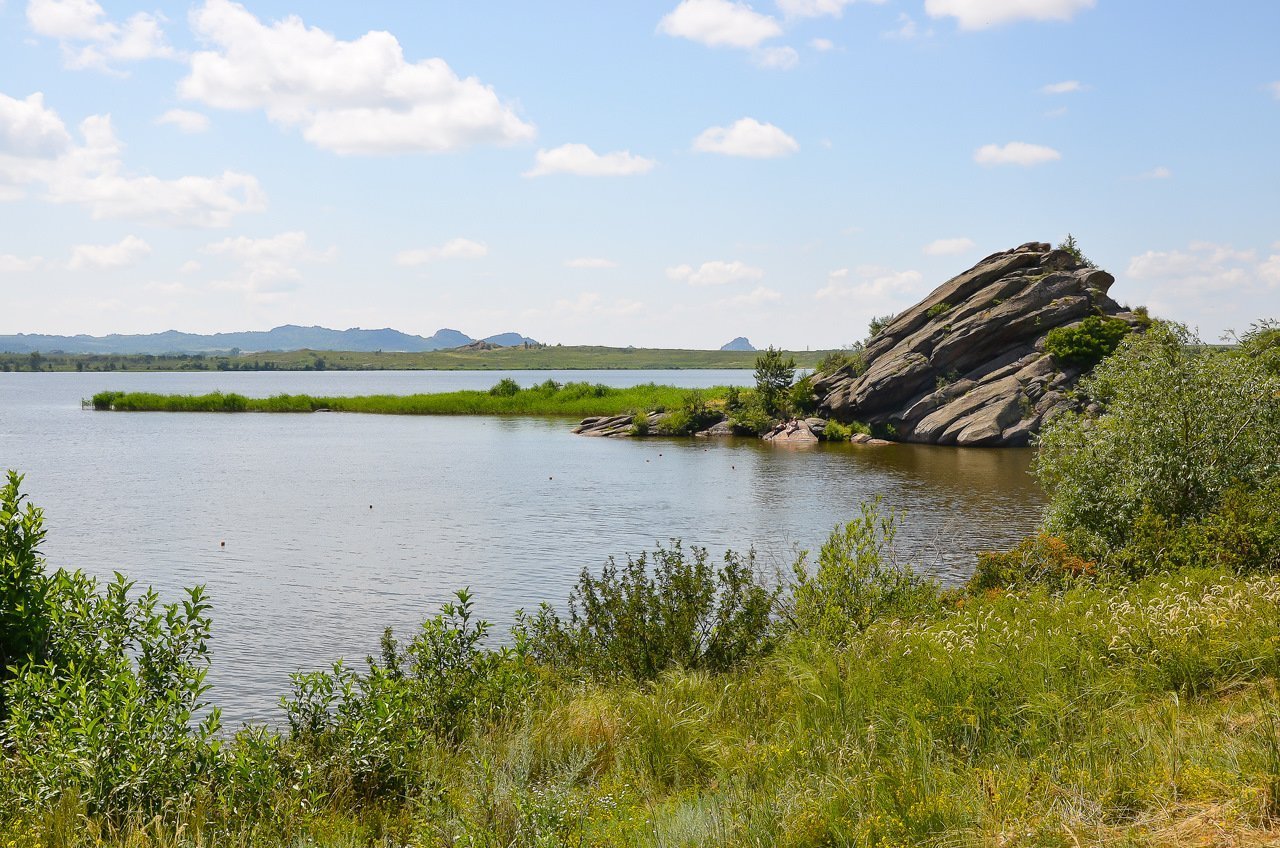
(370,506)
(222,545)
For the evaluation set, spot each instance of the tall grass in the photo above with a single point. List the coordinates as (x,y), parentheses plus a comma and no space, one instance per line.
(577,400)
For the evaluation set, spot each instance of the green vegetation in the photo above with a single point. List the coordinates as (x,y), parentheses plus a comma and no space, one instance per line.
(1070,245)
(1110,680)
(937,309)
(878,323)
(506,398)
(774,376)
(546,358)
(1087,343)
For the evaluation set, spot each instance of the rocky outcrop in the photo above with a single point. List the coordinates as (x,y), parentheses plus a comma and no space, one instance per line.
(967,365)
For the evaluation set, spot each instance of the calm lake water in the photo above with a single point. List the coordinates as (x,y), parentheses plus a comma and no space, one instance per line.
(339,525)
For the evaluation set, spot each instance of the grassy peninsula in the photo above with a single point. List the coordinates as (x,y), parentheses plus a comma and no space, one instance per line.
(544,358)
(1110,680)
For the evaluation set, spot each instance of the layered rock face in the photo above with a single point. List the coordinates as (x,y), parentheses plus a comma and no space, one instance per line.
(966,365)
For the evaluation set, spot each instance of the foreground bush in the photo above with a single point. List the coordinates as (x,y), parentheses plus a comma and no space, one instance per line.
(1182,425)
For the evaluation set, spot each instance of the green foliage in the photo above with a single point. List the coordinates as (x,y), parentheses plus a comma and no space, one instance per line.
(751,418)
(1262,342)
(506,387)
(801,399)
(1040,560)
(858,580)
(24,616)
(1183,424)
(837,431)
(690,417)
(1070,245)
(369,730)
(661,610)
(108,712)
(1088,342)
(938,309)
(853,357)
(878,323)
(773,378)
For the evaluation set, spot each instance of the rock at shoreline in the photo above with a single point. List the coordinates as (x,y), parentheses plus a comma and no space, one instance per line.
(793,432)
(967,365)
(618,426)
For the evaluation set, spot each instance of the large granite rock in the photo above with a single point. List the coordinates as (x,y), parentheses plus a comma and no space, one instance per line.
(966,365)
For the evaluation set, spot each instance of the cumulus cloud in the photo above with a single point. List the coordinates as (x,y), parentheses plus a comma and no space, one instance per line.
(949,246)
(90,40)
(1207,281)
(816,8)
(822,45)
(590,262)
(719,23)
(758,296)
(1160,172)
(981,14)
(348,97)
(714,273)
(582,160)
(10,264)
(594,304)
(869,282)
(1064,87)
(905,29)
(458,248)
(267,267)
(776,58)
(746,137)
(185,120)
(37,151)
(125,253)
(1015,153)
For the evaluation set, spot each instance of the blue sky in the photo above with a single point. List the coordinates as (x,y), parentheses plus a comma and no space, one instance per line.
(657,174)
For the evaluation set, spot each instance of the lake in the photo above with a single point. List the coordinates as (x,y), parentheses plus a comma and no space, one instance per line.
(336,526)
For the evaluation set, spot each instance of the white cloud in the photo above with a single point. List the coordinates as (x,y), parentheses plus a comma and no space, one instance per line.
(906,28)
(189,267)
(719,23)
(758,296)
(590,262)
(125,253)
(981,14)
(949,246)
(714,273)
(776,58)
(822,45)
(1207,282)
(10,264)
(1064,87)
(592,303)
(185,120)
(1015,153)
(37,150)
(746,137)
(1160,172)
(458,248)
(348,97)
(815,8)
(90,40)
(582,160)
(870,282)
(267,267)
(27,128)
(1275,88)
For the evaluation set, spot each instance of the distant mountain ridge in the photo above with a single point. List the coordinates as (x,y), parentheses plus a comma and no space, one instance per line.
(283,338)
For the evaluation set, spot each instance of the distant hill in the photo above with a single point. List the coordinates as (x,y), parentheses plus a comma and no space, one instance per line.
(287,337)
(740,343)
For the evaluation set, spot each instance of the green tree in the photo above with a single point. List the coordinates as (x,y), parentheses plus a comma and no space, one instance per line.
(1070,245)
(1182,425)
(774,376)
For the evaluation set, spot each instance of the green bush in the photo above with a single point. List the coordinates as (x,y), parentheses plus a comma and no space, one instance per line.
(1040,560)
(1070,245)
(1183,424)
(938,309)
(801,398)
(858,580)
(751,419)
(24,587)
(852,357)
(690,417)
(773,379)
(1087,343)
(506,387)
(661,610)
(878,323)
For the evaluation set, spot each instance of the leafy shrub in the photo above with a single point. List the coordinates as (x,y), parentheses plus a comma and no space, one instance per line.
(836,432)
(1087,343)
(24,618)
(878,323)
(1070,245)
(852,357)
(109,712)
(938,309)
(1038,560)
(691,417)
(506,387)
(751,418)
(1183,424)
(663,609)
(858,580)
(773,378)
(801,397)
(369,729)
